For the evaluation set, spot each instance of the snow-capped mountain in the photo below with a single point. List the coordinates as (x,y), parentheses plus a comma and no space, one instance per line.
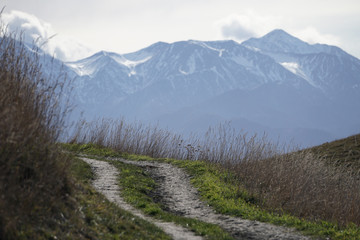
(325,67)
(276,83)
(181,73)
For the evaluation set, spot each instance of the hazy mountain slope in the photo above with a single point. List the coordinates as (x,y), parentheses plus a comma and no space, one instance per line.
(177,75)
(278,82)
(326,67)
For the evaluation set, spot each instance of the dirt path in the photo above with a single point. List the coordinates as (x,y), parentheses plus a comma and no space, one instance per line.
(176,192)
(106,183)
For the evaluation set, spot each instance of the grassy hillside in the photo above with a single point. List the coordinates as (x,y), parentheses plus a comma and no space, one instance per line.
(341,152)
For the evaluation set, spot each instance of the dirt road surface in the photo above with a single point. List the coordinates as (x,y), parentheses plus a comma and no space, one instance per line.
(106,183)
(180,197)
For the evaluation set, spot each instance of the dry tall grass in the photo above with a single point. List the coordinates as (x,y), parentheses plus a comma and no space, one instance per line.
(305,185)
(33,179)
(299,182)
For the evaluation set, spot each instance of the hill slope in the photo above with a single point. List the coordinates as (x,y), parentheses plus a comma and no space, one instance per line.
(344,151)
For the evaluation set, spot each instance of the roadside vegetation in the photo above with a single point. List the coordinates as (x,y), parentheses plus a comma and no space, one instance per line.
(45,193)
(245,176)
(33,179)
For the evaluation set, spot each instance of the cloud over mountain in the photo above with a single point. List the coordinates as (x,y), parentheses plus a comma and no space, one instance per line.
(253,24)
(35,30)
(244,26)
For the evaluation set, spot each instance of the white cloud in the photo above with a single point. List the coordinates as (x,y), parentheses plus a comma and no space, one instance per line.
(251,24)
(242,27)
(312,35)
(32,27)
(42,34)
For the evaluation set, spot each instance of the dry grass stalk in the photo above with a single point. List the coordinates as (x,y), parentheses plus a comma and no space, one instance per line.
(32,170)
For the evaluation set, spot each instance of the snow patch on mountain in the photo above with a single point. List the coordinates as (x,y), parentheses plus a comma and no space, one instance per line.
(295,68)
(252,48)
(81,69)
(91,65)
(203,44)
(183,72)
(128,63)
(291,66)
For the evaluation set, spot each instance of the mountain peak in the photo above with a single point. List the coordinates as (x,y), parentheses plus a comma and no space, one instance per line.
(279,41)
(278,32)
(100,54)
(280,36)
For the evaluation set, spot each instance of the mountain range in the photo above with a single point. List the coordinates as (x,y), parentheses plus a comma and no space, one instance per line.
(276,84)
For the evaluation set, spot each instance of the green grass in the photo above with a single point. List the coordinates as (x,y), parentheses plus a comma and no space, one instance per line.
(90,149)
(221,191)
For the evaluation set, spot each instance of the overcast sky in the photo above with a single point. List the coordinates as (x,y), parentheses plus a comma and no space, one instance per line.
(85,26)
